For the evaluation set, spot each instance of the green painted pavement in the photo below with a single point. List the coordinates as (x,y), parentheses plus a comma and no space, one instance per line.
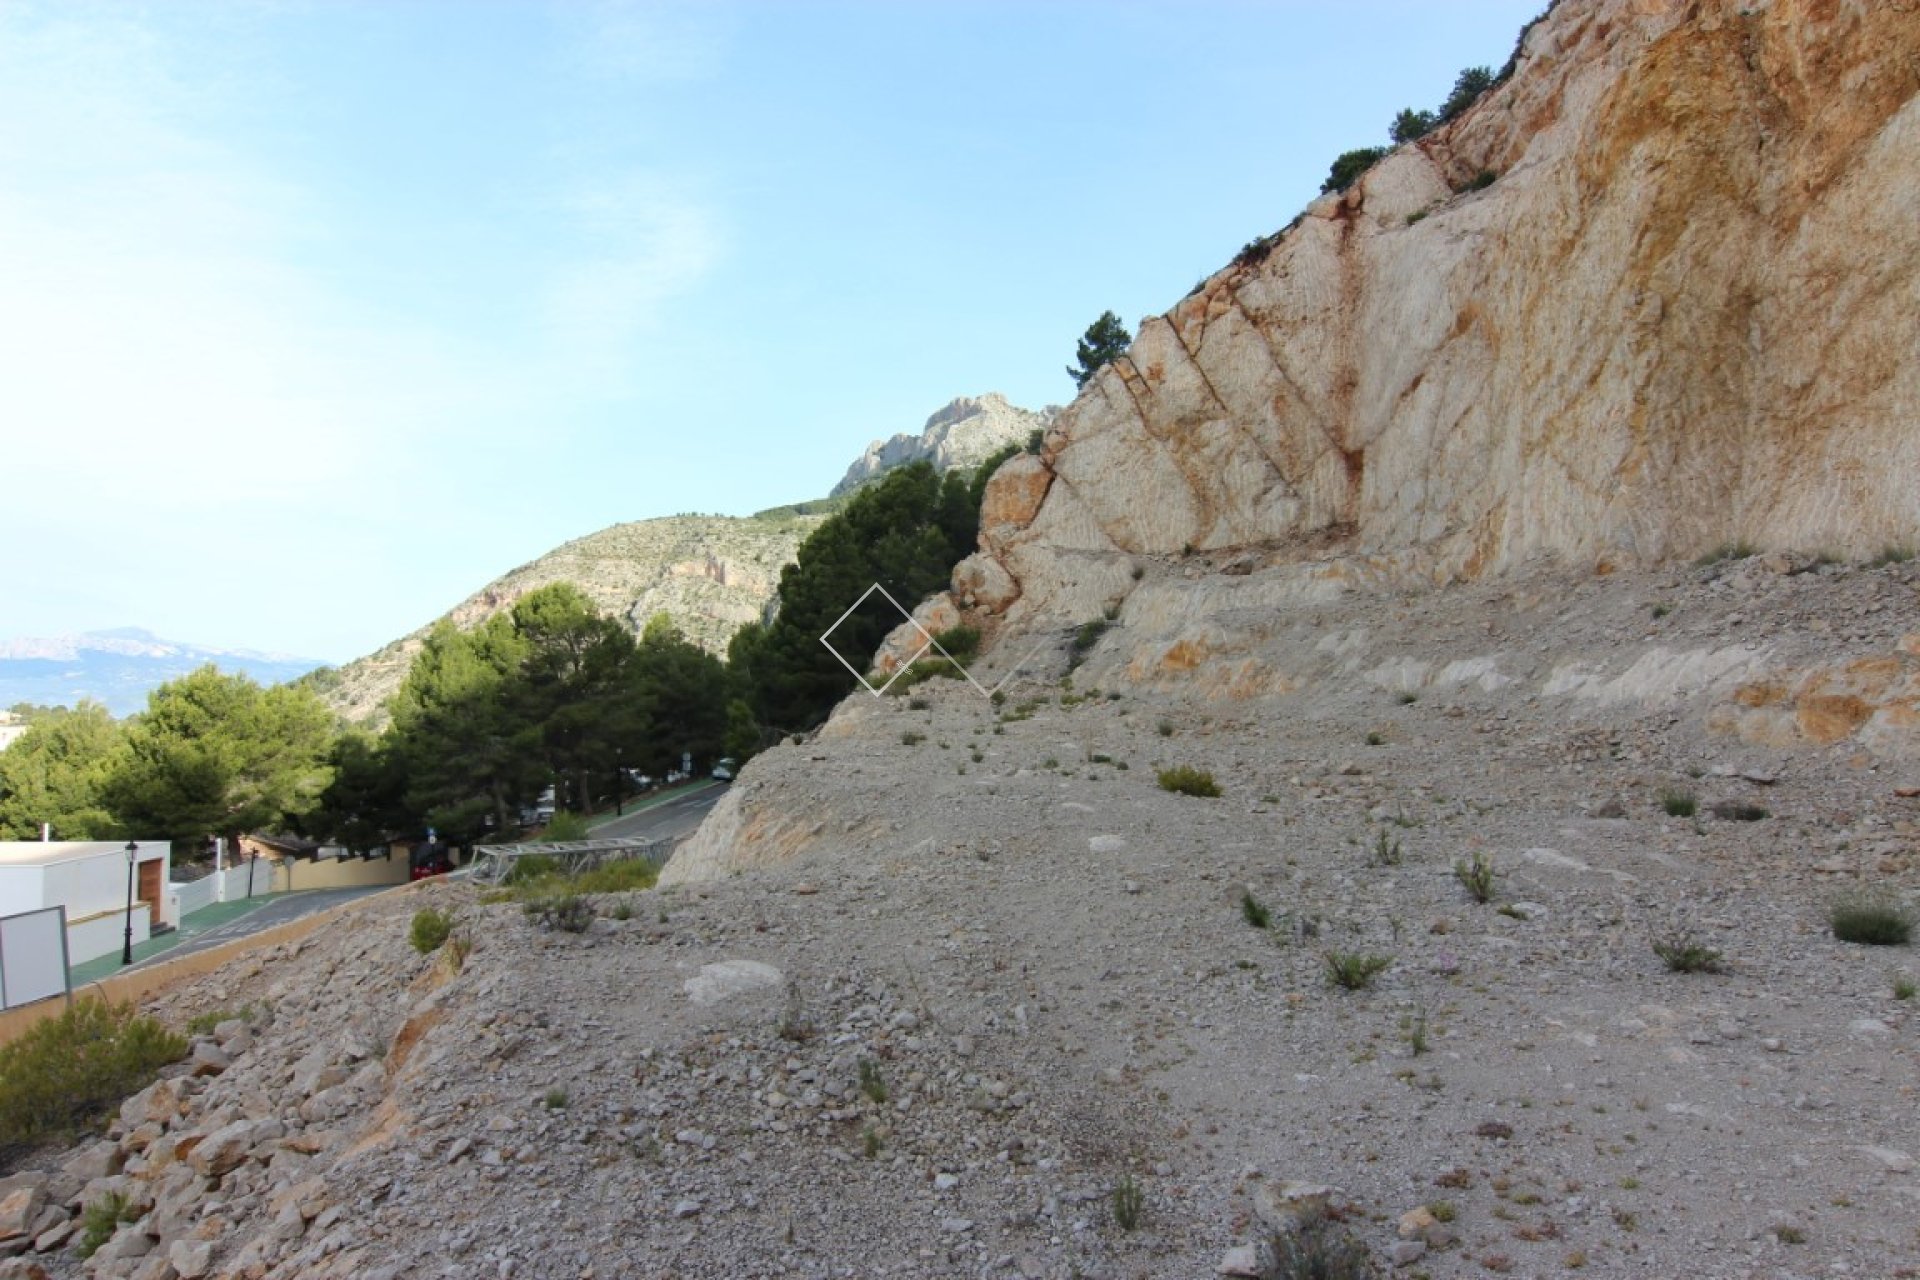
(192,925)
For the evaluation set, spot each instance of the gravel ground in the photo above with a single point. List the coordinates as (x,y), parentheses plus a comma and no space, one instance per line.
(984,973)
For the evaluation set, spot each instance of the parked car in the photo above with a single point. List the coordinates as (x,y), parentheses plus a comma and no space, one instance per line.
(427,860)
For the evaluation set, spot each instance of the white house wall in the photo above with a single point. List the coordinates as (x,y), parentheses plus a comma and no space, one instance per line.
(20,890)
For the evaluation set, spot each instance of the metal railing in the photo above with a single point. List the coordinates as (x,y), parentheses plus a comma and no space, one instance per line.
(494,863)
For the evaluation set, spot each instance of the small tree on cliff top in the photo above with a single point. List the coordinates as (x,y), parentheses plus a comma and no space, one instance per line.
(1105,340)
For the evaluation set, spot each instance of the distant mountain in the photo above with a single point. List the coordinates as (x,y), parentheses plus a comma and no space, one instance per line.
(708,573)
(964,434)
(118,667)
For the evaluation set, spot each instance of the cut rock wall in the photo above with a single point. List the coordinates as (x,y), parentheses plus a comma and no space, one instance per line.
(1683,314)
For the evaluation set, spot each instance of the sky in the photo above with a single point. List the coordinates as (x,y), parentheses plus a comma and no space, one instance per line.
(318,315)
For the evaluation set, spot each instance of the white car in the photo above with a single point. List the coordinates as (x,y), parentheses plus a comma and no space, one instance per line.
(724,769)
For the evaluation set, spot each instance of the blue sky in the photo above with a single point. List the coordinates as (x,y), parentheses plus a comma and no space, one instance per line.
(316,315)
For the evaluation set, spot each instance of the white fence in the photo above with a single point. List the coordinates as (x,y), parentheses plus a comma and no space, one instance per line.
(223,886)
(33,956)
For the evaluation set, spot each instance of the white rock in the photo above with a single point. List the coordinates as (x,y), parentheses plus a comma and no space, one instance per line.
(729,978)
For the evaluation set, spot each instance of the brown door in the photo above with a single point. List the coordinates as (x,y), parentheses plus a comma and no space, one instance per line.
(150,891)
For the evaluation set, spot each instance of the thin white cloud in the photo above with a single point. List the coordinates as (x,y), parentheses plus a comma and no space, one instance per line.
(649,41)
(639,246)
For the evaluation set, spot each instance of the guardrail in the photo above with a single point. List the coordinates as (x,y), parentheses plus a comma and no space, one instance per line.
(494,863)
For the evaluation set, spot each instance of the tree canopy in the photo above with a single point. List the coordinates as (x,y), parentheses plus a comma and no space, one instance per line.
(216,754)
(1348,167)
(904,534)
(56,773)
(1105,341)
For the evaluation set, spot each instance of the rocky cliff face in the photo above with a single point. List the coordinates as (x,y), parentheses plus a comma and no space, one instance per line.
(964,434)
(1683,313)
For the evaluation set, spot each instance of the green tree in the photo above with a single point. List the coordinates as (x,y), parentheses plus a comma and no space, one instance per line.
(575,694)
(215,754)
(686,694)
(1348,167)
(365,804)
(55,772)
(455,735)
(1105,341)
(905,534)
(1467,89)
(1410,125)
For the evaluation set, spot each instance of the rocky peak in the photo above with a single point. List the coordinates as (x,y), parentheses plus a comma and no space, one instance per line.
(963,434)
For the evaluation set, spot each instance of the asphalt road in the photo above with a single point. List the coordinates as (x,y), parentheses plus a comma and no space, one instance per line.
(673,819)
(279,910)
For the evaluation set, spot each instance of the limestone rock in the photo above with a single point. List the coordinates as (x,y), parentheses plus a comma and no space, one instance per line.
(1387,382)
(963,434)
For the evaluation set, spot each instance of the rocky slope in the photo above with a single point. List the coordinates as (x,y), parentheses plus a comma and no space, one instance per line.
(996,974)
(964,434)
(1682,314)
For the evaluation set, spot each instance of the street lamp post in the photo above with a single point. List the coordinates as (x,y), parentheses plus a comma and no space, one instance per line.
(133,856)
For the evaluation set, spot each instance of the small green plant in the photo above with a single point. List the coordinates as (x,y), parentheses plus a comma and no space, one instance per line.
(101,1219)
(1084,640)
(872,1083)
(1386,852)
(622,910)
(1678,802)
(961,643)
(870,1143)
(1375,738)
(430,928)
(1482,180)
(566,826)
(66,1073)
(1443,1211)
(1891,555)
(555,1099)
(1413,1029)
(1355,970)
(1318,1248)
(1407,697)
(202,1024)
(1738,811)
(1252,911)
(912,739)
(1188,781)
(1736,550)
(1872,919)
(1787,1234)
(535,866)
(628,875)
(567,912)
(1128,1200)
(918,703)
(1684,954)
(1476,877)
(1903,988)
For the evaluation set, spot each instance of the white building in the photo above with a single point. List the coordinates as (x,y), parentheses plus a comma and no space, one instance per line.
(90,879)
